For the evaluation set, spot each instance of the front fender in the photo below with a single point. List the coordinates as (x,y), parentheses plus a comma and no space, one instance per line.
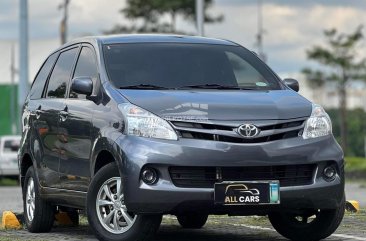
(105,144)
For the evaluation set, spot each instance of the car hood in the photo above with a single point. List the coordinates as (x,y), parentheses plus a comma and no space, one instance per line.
(221,104)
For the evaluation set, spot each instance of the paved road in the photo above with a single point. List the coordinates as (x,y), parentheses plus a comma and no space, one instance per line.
(218,228)
(356,191)
(10,199)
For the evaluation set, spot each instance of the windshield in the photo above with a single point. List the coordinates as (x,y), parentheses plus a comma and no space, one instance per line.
(180,65)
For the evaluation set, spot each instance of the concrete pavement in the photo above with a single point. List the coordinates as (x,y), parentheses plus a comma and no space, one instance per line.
(219,228)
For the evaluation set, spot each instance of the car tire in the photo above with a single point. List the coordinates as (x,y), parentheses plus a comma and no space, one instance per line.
(192,221)
(39,215)
(324,224)
(141,227)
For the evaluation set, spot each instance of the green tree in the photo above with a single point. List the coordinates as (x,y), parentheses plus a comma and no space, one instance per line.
(343,64)
(356,130)
(146,15)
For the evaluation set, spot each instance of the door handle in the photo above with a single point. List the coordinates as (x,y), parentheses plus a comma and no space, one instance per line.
(64,113)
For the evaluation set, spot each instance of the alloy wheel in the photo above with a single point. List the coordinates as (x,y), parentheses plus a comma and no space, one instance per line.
(111,210)
(30,199)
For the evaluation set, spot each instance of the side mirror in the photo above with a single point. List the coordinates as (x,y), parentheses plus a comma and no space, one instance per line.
(82,85)
(292,84)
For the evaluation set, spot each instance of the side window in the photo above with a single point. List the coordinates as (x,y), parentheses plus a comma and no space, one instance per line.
(60,76)
(85,67)
(41,78)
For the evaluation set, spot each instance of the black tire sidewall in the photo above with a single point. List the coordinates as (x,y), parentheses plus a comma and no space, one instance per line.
(143,228)
(43,213)
(324,227)
(192,221)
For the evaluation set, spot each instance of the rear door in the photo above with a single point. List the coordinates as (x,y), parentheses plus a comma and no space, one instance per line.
(76,126)
(48,114)
(37,121)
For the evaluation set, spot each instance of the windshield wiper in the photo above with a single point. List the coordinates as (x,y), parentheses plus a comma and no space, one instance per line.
(214,86)
(144,86)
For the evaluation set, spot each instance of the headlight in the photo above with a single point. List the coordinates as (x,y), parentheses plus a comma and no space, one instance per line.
(318,124)
(140,122)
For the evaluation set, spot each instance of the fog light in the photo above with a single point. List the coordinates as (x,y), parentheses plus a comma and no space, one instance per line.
(329,173)
(149,176)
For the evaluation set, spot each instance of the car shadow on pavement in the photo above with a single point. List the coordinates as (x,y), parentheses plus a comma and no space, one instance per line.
(224,233)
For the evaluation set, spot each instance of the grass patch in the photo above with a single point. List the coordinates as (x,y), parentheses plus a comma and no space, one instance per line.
(14,238)
(10,238)
(356,169)
(355,164)
(8,182)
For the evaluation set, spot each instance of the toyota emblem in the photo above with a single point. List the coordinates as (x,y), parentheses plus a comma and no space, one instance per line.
(248,130)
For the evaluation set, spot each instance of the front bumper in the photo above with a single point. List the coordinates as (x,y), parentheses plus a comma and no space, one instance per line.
(164,197)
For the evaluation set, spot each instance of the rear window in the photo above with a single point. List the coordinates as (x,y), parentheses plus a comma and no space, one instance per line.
(11,146)
(174,65)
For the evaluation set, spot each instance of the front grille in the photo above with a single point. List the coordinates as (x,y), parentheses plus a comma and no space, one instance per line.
(269,131)
(206,177)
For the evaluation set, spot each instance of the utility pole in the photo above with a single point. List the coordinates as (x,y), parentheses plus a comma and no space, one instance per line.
(13,71)
(365,146)
(63,25)
(260,33)
(200,17)
(23,86)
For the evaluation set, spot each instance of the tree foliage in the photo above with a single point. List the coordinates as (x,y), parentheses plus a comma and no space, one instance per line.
(149,15)
(356,130)
(343,64)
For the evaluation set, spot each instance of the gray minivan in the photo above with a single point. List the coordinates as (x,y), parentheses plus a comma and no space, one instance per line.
(133,127)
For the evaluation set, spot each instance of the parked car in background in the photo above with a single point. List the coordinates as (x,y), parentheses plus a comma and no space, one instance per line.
(9,146)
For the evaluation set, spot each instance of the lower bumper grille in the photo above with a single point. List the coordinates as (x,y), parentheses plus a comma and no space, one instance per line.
(206,177)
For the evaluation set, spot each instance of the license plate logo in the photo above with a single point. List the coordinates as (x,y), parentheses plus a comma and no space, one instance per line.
(240,193)
(247,193)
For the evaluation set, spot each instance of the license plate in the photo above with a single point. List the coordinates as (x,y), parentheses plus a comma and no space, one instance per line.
(247,193)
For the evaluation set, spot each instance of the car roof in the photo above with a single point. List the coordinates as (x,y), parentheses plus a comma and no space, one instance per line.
(161,38)
(148,38)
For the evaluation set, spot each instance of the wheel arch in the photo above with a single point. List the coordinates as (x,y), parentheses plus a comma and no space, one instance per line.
(105,151)
(26,162)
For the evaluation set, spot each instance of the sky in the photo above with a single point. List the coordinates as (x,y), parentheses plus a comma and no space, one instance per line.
(291,27)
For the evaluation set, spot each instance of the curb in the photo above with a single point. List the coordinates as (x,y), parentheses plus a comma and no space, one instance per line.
(63,219)
(10,221)
(352,206)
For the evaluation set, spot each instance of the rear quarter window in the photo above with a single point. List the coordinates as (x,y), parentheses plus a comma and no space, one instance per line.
(41,78)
